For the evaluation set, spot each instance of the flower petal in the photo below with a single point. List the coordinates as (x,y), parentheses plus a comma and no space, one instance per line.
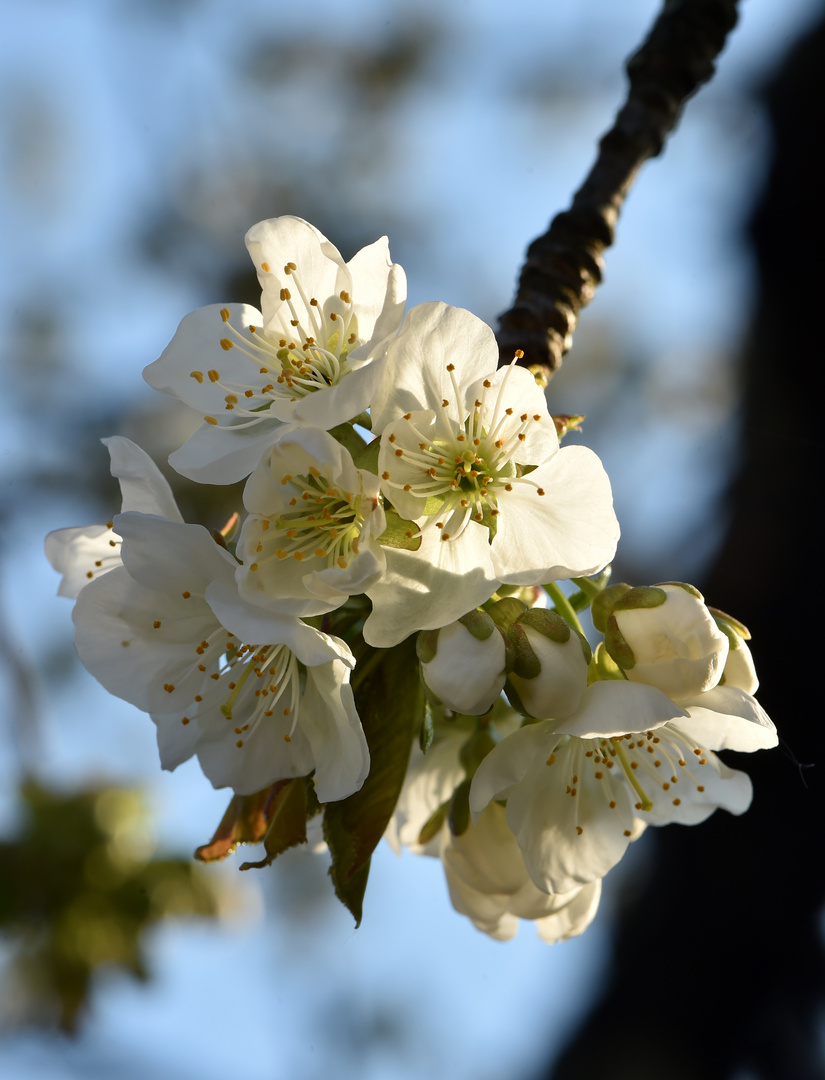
(431,587)
(416,377)
(615,707)
(569,531)
(727,718)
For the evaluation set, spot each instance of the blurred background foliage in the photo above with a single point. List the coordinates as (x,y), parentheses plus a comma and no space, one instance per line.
(79,886)
(138,142)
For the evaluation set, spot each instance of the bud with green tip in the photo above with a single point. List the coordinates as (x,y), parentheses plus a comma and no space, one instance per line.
(739,669)
(664,636)
(549,674)
(464,664)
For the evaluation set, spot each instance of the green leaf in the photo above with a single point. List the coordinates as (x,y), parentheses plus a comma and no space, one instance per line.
(367,457)
(433,825)
(287,820)
(400,533)
(349,438)
(459,812)
(390,702)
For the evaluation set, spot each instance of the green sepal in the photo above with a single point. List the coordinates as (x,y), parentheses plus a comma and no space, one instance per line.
(390,702)
(367,456)
(475,750)
(602,606)
(459,812)
(348,437)
(617,646)
(399,533)
(684,585)
(728,624)
(512,696)
(642,596)
(547,623)
(427,732)
(287,819)
(426,645)
(505,611)
(434,823)
(478,623)
(606,666)
(525,662)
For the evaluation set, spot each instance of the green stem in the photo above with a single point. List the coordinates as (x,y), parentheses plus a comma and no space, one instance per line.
(588,587)
(562,606)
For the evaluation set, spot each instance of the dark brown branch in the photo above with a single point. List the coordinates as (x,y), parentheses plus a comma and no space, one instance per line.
(564,266)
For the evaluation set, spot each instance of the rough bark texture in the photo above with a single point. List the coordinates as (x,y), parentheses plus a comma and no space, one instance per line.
(564,266)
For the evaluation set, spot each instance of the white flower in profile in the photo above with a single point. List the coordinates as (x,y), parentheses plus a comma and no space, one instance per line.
(484,868)
(488,882)
(471,454)
(311,536)
(84,552)
(258,696)
(308,357)
(581,789)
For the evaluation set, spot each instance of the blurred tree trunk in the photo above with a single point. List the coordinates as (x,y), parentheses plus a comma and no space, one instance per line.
(718,962)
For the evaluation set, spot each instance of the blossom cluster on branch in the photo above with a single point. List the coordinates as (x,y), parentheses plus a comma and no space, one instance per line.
(377,641)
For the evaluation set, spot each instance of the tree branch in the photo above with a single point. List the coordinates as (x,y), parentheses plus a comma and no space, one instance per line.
(564,266)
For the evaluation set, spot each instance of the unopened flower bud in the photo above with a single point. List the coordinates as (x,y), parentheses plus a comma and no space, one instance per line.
(550,661)
(664,636)
(739,669)
(464,664)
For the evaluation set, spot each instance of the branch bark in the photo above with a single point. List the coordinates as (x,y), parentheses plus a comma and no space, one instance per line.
(564,266)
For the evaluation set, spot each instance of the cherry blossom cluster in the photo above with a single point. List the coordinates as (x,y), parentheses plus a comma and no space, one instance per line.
(401,486)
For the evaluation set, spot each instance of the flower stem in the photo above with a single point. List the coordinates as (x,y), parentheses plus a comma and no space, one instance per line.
(562,606)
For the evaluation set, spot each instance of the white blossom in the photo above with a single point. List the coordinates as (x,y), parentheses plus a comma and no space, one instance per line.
(580,790)
(311,536)
(471,454)
(305,358)
(221,678)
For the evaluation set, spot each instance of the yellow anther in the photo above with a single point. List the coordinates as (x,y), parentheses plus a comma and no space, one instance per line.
(196,375)
(226,345)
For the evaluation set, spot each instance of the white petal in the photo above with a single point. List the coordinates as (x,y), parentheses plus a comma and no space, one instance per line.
(568,839)
(196,347)
(570,531)
(379,291)
(330,722)
(268,626)
(616,707)
(225,454)
(177,741)
(76,552)
(727,718)
(118,642)
(168,556)
(143,486)
(509,762)
(574,917)
(416,377)
(431,587)
(706,784)
(278,241)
